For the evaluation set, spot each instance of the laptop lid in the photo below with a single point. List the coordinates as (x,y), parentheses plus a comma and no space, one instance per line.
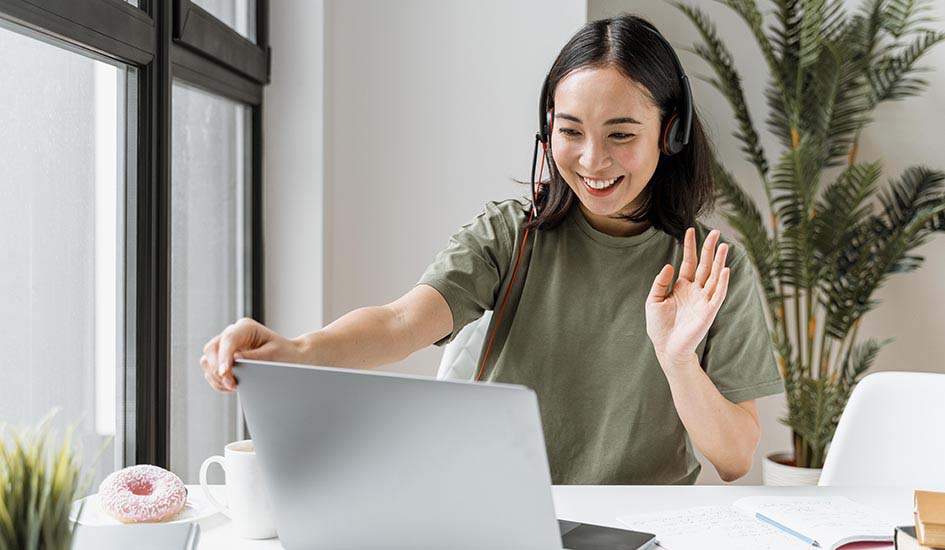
(364,459)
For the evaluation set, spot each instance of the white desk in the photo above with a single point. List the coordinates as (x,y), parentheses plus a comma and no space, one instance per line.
(603,504)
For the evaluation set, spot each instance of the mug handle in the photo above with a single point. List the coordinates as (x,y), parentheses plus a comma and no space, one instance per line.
(206,489)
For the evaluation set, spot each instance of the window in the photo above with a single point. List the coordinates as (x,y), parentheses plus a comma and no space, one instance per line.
(210,164)
(239,15)
(113,275)
(62,182)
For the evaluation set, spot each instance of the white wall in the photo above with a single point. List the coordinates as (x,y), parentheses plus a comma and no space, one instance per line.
(293,168)
(903,134)
(430,110)
(377,121)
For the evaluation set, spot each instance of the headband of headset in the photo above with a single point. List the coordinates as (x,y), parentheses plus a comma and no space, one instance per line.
(674,135)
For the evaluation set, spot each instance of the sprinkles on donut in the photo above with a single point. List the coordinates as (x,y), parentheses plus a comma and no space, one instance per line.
(142,493)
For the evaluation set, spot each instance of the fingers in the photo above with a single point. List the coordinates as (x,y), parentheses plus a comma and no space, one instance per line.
(236,337)
(209,362)
(717,266)
(210,352)
(707,257)
(661,284)
(719,295)
(211,376)
(687,270)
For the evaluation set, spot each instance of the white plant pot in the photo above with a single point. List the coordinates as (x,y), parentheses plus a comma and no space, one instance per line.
(775,472)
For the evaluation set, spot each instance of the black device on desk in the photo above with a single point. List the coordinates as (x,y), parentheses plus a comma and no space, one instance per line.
(584,536)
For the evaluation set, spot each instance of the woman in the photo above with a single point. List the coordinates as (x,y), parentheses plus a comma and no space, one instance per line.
(631,366)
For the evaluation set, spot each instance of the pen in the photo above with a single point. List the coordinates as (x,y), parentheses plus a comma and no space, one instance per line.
(788,530)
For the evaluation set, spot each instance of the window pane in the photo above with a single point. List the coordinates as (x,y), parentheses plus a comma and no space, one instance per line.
(62,184)
(240,15)
(210,165)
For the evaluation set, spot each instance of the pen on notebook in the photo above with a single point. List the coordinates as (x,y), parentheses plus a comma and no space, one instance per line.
(788,530)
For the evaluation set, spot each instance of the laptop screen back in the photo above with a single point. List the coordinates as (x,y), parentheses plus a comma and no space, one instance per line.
(362,459)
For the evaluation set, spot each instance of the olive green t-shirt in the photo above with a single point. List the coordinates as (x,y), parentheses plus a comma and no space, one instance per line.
(577,337)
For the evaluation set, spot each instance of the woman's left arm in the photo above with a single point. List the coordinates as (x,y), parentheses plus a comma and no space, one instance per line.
(727,433)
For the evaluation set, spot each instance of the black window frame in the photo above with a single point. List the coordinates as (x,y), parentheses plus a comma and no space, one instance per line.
(165,40)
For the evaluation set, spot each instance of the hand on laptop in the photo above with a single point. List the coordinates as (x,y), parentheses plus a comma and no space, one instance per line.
(245,339)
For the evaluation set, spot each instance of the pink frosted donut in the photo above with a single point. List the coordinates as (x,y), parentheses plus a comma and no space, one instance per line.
(142,493)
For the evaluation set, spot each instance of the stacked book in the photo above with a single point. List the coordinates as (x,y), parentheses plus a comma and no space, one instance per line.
(929,530)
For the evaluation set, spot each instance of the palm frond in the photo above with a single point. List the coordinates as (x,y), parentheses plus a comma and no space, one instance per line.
(813,411)
(880,245)
(873,13)
(728,82)
(918,188)
(786,30)
(778,120)
(891,78)
(795,181)
(835,104)
(813,17)
(858,362)
(742,214)
(748,11)
(905,16)
(786,37)
(842,204)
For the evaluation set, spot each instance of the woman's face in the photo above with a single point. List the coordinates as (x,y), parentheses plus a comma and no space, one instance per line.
(605,131)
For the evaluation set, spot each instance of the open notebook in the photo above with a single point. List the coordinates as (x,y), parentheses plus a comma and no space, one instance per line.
(749,524)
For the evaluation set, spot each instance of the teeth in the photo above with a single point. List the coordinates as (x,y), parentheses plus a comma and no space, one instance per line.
(599,184)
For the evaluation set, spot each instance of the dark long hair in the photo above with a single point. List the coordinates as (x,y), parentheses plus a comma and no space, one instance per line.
(682,187)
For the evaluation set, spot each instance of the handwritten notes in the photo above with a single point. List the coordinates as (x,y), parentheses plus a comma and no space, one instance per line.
(831,521)
(711,528)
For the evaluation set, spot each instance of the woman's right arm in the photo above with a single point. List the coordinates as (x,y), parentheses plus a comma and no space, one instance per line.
(364,338)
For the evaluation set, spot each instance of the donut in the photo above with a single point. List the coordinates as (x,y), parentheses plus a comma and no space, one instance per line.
(142,493)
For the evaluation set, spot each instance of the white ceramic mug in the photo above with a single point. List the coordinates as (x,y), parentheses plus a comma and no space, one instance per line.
(247,501)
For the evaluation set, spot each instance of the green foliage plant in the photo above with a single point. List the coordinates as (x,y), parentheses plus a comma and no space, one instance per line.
(38,483)
(827,246)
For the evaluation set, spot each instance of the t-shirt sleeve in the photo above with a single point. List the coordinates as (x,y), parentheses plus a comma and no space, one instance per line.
(469,271)
(738,355)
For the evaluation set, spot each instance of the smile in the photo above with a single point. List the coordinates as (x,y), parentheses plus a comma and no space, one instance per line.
(601,187)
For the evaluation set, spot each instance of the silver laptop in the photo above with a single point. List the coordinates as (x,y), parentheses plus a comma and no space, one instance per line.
(363,459)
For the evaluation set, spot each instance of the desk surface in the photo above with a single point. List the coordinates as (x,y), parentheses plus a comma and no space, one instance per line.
(603,504)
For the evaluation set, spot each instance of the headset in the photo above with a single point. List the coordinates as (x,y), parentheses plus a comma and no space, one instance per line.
(674,136)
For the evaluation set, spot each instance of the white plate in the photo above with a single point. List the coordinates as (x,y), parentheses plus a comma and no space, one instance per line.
(196,508)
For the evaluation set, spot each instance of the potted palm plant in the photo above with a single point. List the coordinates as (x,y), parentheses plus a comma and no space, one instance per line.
(38,484)
(827,246)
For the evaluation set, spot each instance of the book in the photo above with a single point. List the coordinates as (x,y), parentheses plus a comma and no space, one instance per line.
(930,518)
(905,539)
(767,523)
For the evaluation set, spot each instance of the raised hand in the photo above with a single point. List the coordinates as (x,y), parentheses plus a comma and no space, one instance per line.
(678,321)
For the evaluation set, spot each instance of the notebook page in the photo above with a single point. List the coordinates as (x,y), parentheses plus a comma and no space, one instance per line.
(711,528)
(831,521)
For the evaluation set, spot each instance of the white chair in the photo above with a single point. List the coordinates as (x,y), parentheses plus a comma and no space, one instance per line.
(891,433)
(461,356)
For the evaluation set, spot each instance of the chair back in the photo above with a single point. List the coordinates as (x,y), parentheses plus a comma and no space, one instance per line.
(891,433)
(461,356)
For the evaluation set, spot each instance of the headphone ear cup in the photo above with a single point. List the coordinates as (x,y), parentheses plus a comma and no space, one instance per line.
(669,141)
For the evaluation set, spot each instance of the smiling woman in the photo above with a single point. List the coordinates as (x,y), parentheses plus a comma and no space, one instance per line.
(639,349)
(600,158)
(610,96)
